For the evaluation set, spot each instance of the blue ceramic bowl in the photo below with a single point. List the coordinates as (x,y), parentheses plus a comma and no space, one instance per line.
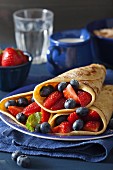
(103,47)
(68,49)
(12,77)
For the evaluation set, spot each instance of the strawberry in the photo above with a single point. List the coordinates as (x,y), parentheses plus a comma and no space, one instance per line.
(72,117)
(31,108)
(56,129)
(92,115)
(84,98)
(1,52)
(92,126)
(11,57)
(69,92)
(14,110)
(59,104)
(52,99)
(24,57)
(44,116)
(64,127)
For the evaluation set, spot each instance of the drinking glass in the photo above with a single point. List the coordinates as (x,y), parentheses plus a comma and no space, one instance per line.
(32,30)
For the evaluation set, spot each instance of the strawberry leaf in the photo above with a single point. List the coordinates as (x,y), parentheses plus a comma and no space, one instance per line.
(33,120)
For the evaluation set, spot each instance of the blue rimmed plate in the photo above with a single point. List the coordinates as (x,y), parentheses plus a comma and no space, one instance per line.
(12,124)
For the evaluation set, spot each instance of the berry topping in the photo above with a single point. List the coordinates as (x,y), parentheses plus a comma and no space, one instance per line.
(32,99)
(59,104)
(70,104)
(21,117)
(52,99)
(92,115)
(46,90)
(62,86)
(14,110)
(23,161)
(78,124)
(44,115)
(82,111)
(73,117)
(84,98)
(37,128)
(92,126)
(10,103)
(45,127)
(22,102)
(15,155)
(31,108)
(69,92)
(74,84)
(64,127)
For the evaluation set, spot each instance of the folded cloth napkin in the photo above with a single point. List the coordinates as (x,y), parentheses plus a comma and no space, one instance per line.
(90,150)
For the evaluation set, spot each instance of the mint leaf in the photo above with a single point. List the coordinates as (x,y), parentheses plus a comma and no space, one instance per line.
(33,120)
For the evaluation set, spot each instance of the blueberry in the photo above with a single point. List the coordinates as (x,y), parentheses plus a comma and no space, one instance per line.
(82,111)
(10,103)
(45,127)
(74,84)
(78,124)
(23,161)
(46,90)
(22,102)
(32,99)
(37,128)
(70,103)
(15,155)
(60,119)
(62,86)
(110,125)
(21,117)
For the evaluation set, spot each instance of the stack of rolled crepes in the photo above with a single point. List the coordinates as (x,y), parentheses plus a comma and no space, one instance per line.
(91,80)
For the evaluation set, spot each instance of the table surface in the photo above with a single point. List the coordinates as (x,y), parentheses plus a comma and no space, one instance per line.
(48,163)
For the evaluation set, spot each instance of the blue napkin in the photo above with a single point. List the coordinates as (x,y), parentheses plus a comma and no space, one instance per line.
(91,150)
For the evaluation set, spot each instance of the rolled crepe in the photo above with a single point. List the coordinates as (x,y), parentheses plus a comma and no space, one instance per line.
(90,79)
(4,111)
(103,106)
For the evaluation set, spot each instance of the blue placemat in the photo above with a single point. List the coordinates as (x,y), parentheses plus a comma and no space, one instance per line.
(91,150)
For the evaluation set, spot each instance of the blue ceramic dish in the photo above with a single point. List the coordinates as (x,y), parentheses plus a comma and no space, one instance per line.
(12,77)
(63,56)
(103,46)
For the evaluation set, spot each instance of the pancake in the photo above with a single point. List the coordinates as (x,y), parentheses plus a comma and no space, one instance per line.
(103,106)
(90,80)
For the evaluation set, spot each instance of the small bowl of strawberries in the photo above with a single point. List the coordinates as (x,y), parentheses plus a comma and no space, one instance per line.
(14,68)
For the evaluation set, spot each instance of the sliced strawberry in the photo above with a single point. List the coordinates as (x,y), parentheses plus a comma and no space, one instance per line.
(69,92)
(92,115)
(73,117)
(14,110)
(44,116)
(64,127)
(31,108)
(92,126)
(59,104)
(56,129)
(52,99)
(84,98)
